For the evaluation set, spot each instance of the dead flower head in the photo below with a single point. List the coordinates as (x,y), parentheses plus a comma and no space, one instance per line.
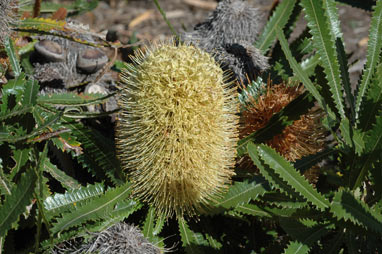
(177,132)
(303,137)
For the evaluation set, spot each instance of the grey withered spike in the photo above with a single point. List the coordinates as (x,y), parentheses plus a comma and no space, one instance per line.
(8,17)
(243,59)
(120,238)
(232,20)
(228,33)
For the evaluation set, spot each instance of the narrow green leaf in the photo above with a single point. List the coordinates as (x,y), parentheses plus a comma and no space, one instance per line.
(13,57)
(373,54)
(19,111)
(73,99)
(5,183)
(190,240)
(296,247)
(148,226)
(373,103)
(98,151)
(324,41)
(306,234)
(66,181)
(254,210)
(279,19)
(31,90)
(298,71)
(16,138)
(283,201)
(286,171)
(332,13)
(99,208)
(59,203)
(243,192)
(15,204)
(373,148)
(269,174)
(309,161)
(20,156)
(346,206)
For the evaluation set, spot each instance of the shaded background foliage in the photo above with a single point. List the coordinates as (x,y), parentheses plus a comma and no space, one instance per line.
(60,178)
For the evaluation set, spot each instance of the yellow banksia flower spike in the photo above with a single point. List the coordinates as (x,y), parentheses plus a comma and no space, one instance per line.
(177,132)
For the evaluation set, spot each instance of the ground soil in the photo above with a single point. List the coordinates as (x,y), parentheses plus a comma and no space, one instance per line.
(142,17)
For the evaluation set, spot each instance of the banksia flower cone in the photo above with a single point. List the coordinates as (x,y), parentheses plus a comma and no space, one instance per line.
(177,132)
(303,137)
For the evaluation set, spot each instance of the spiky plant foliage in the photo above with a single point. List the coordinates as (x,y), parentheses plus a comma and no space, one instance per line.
(119,238)
(177,132)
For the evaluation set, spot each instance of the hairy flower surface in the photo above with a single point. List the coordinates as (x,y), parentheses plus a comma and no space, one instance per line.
(177,132)
(7,17)
(303,137)
(229,33)
(117,239)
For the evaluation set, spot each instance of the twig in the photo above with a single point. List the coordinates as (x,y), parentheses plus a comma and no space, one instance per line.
(165,19)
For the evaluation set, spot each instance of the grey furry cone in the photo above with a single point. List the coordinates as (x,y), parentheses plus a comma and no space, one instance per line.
(8,9)
(229,33)
(118,239)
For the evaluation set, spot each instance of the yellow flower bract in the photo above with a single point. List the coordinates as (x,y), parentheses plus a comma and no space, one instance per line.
(177,132)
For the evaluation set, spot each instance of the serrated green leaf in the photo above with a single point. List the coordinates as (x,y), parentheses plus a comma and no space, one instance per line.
(66,181)
(252,91)
(13,57)
(30,94)
(254,210)
(309,161)
(283,201)
(213,242)
(346,206)
(373,103)
(373,54)
(332,13)
(153,226)
(279,19)
(148,226)
(269,174)
(73,99)
(98,208)
(16,138)
(19,111)
(20,156)
(14,87)
(301,75)
(296,247)
(373,147)
(15,204)
(59,203)
(286,171)
(5,184)
(98,152)
(309,64)
(324,41)
(306,234)
(243,192)
(190,240)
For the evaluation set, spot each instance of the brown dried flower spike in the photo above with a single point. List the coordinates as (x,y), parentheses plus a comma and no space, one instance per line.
(304,137)
(177,132)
